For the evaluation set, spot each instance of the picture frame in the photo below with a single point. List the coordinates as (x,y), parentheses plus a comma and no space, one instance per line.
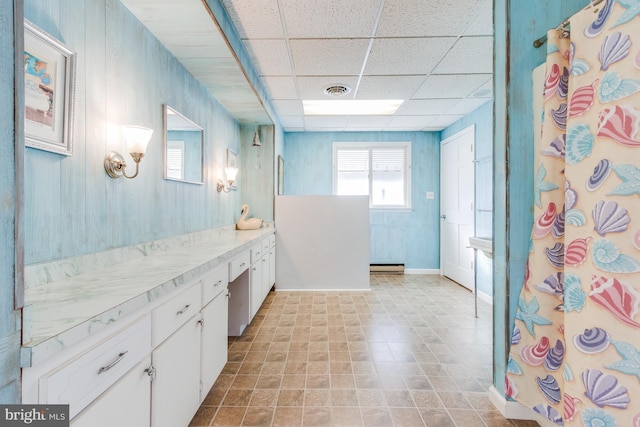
(232,162)
(49,87)
(280,175)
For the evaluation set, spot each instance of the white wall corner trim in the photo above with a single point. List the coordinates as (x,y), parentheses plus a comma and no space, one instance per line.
(422,271)
(509,409)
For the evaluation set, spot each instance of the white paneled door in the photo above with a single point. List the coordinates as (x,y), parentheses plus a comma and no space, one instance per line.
(457,189)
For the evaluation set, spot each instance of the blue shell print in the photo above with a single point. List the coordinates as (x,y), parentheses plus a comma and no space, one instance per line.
(579,143)
(574,296)
(597,418)
(607,257)
(596,27)
(613,87)
(615,47)
(549,413)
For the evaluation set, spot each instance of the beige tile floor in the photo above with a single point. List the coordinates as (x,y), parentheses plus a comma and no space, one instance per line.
(408,353)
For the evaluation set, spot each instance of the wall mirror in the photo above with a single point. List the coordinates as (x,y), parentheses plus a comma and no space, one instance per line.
(183,148)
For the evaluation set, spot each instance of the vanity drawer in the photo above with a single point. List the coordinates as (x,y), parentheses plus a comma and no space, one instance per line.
(174,313)
(237,265)
(214,282)
(272,241)
(256,252)
(265,246)
(82,379)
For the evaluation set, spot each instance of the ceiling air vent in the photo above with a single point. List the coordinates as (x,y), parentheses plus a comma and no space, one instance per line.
(337,90)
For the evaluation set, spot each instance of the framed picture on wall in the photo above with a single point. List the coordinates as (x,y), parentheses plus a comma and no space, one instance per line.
(232,162)
(49,84)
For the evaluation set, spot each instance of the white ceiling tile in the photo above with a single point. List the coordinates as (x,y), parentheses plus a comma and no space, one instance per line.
(368,122)
(446,120)
(280,87)
(287,107)
(469,54)
(451,85)
(329,18)
(407,56)
(467,105)
(417,107)
(410,122)
(328,57)
(256,19)
(325,121)
(388,87)
(407,18)
(269,57)
(312,88)
(484,91)
(291,121)
(482,25)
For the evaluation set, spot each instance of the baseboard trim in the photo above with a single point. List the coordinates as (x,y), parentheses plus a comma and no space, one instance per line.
(485,297)
(510,409)
(422,271)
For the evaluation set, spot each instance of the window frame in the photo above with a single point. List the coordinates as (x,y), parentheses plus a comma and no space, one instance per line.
(370,147)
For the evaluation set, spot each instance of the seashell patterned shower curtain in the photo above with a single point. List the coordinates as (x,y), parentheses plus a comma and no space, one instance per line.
(575,348)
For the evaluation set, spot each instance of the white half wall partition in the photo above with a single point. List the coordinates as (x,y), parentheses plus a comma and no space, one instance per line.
(322,242)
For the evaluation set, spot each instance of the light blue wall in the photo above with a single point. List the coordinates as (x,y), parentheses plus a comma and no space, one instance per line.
(10,185)
(412,238)
(482,119)
(516,25)
(124,76)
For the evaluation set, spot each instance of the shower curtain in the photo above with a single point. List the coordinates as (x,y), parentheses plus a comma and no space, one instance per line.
(575,347)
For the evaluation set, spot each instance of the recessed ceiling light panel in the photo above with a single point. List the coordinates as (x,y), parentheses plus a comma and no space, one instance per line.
(351,107)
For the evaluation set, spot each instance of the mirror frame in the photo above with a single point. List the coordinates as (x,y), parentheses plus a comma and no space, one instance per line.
(165,109)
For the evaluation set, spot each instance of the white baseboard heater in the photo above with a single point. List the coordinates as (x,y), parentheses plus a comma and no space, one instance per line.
(386,268)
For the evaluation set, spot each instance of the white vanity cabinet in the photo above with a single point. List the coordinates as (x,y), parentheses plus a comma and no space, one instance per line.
(125,404)
(214,323)
(272,262)
(175,393)
(257,278)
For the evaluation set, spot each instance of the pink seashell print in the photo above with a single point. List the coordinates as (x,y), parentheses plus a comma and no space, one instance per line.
(551,82)
(527,276)
(620,123)
(636,240)
(534,355)
(510,388)
(544,223)
(582,99)
(576,252)
(570,409)
(636,420)
(619,298)
(636,62)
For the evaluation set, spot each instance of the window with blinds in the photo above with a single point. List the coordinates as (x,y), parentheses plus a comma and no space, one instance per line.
(383,172)
(175,160)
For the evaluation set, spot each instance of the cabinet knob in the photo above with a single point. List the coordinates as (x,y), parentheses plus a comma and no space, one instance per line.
(201,322)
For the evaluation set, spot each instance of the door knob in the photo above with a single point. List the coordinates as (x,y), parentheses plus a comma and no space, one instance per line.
(443,216)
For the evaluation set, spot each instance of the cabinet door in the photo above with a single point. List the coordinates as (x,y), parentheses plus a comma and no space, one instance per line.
(175,396)
(272,267)
(125,404)
(214,341)
(256,287)
(265,275)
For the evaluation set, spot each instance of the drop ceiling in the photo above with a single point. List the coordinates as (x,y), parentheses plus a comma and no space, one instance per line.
(437,56)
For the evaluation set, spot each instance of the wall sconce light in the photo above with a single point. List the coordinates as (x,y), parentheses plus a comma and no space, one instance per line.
(230,174)
(137,138)
(256,138)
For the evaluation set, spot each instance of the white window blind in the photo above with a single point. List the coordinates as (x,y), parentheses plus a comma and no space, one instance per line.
(175,159)
(382,172)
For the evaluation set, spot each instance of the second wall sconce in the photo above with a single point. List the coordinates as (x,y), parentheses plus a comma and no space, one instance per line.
(230,174)
(256,138)
(137,138)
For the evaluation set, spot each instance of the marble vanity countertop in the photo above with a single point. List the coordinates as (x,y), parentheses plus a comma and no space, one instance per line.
(62,313)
